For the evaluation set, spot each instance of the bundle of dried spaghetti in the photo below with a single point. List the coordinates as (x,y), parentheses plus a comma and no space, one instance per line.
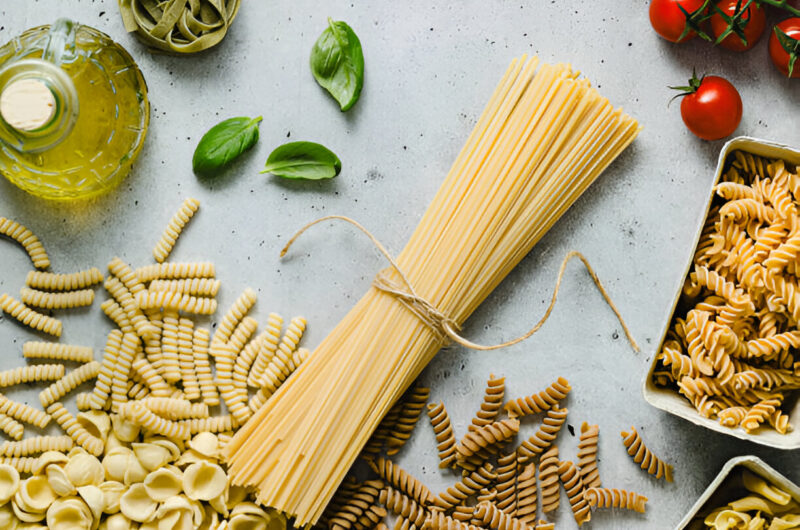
(544,137)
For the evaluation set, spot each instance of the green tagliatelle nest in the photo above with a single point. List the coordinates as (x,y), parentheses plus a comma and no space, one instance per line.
(179,26)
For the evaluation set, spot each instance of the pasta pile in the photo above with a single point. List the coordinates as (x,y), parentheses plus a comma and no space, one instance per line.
(144,450)
(731,346)
(498,487)
(757,505)
(544,137)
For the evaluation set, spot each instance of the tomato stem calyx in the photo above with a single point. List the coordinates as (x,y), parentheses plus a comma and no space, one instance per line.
(782,4)
(691,88)
(791,45)
(695,20)
(736,22)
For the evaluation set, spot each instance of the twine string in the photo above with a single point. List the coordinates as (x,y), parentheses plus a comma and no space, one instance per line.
(445,327)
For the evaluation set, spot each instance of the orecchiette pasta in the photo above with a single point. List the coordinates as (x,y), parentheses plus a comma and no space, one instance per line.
(24,413)
(29,317)
(445,437)
(27,239)
(63,282)
(75,430)
(587,455)
(59,352)
(573,485)
(642,455)
(28,374)
(69,382)
(614,498)
(174,229)
(540,402)
(65,300)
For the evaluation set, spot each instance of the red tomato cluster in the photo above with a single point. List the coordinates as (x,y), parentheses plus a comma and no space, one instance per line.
(733,24)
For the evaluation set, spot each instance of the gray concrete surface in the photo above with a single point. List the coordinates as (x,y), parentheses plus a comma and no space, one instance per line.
(430,67)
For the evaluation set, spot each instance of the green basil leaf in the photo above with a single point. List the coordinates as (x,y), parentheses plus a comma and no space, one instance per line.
(337,63)
(303,160)
(223,143)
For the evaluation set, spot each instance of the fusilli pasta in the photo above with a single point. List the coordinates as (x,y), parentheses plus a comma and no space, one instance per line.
(57,352)
(491,404)
(177,302)
(36,444)
(642,455)
(548,477)
(573,486)
(29,317)
(11,427)
(527,495)
(24,413)
(29,374)
(402,480)
(63,282)
(466,487)
(193,286)
(587,455)
(540,402)
(176,225)
(614,498)
(74,430)
(65,300)
(69,382)
(27,239)
(545,435)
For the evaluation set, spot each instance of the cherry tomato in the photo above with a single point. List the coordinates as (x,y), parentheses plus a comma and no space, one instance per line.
(711,107)
(669,21)
(784,45)
(751,22)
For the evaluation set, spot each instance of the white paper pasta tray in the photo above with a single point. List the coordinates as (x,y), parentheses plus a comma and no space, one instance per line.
(668,399)
(721,492)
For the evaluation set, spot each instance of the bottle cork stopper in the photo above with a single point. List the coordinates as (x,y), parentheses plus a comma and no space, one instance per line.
(27,104)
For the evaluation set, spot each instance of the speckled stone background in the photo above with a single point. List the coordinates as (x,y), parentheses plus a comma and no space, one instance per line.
(430,67)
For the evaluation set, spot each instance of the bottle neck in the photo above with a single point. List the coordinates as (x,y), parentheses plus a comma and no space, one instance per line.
(38,105)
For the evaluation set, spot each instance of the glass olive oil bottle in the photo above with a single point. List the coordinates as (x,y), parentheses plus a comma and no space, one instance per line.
(73,111)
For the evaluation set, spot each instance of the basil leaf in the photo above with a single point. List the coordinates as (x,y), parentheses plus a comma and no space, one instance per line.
(223,143)
(303,160)
(337,63)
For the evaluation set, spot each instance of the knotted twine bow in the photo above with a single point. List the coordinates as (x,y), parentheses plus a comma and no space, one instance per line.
(442,325)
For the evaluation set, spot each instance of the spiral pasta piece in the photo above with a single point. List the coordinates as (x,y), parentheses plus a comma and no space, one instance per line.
(545,435)
(644,456)
(57,352)
(732,416)
(208,390)
(29,317)
(402,480)
(137,391)
(506,484)
(158,387)
(540,402)
(479,441)
(745,209)
(281,365)
(105,377)
(75,430)
(371,518)
(23,464)
(11,427)
(191,386)
(65,300)
(527,495)
(175,271)
(36,444)
(144,328)
(67,383)
(403,506)
(214,424)
(119,384)
(268,345)
(769,347)
(23,413)
(176,225)
(50,281)
(170,360)
(377,440)
(354,507)
(175,301)
(27,239)
(573,486)
(413,406)
(440,521)
(466,487)
(443,431)
(193,286)
(126,275)
(759,413)
(491,404)
(548,477)
(141,415)
(493,517)
(175,409)
(734,191)
(30,374)
(234,315)
(614,498)
(243,332)
(587,455)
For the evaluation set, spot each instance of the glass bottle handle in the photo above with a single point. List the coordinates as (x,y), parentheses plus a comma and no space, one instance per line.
(60,45)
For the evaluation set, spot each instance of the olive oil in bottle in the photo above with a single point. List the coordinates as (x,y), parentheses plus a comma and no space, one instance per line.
(73,111)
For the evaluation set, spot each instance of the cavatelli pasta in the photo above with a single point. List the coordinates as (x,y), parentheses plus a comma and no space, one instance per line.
(413,404)
(175,409)
(63,282)
(191,387)
(175,271)
(402,480)
(479,441)
(69,382)
(573,486)
(144,328)
(403,506)
(29,317)
(75,430)
(140,415)
(174,228)
(30,374)
(443,430)
(540,402)
(644,456)
(57,352)
(65,300)
(177,302)
(36,444)
(193,286)
(24,413)
(491,404)
(27,239)
(527,495)
(105,377)
(614,498)
(200,342)
(11,427)
(506,484)
(122,369)
(466,487)
(158,387)
(235,314)
(587,455)
(545,435)
(548,477)
(493,517)
(267,348)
